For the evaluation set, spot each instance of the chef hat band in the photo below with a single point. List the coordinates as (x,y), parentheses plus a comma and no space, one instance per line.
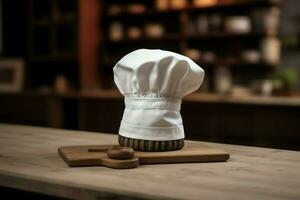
(152,103)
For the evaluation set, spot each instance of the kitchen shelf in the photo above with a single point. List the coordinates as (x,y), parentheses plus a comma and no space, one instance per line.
(148,13)
(144,39)
(61,57)
(170,37)
(217,7)
(224,35)
(238,63)
(179,38)
(52,42)
(195,97)
(236,5)
(204,98)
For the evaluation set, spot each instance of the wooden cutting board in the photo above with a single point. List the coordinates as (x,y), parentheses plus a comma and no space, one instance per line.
(78,156)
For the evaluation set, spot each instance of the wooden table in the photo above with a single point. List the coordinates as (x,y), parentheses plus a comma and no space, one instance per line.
(29,161)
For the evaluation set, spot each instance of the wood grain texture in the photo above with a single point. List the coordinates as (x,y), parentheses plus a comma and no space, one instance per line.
(76,156)
(29,161)
(89,37)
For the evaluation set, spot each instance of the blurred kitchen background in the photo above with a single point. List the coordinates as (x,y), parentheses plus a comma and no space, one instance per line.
(56,60)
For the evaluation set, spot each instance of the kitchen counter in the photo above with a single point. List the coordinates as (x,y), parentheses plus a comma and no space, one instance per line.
(29,161)
(290,101)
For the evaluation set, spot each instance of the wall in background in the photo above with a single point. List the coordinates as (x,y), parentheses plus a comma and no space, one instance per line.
(289,30)
(1,27)
(14,28)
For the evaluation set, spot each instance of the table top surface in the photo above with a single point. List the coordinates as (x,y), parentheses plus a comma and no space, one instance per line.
(29,161)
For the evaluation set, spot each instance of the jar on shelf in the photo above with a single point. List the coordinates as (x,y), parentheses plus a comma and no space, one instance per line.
(178,4)
(162,4)
(202,24)
(222,80)
(116,31)
(271,20)
(134,32)
(154,30)
(270,50)
(238,24)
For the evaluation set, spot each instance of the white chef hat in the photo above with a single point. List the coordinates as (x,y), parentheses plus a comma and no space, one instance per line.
(153,83)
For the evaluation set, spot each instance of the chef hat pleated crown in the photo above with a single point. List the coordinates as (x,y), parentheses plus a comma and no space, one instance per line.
(153,83)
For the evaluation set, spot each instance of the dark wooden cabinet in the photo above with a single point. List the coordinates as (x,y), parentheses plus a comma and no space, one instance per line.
(256,123)
(14,22)
(53,29)
(52,42)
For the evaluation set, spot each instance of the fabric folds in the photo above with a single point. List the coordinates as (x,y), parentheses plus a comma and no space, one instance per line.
(153,83)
